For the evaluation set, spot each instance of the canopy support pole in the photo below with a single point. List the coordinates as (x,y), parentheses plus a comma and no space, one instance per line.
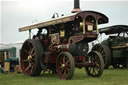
(29,34)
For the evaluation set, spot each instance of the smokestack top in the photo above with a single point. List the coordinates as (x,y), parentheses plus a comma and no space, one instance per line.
(76,6)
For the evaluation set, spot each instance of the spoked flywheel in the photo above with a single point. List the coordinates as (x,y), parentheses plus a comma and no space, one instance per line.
(30,58)
(65,65)
(96,59)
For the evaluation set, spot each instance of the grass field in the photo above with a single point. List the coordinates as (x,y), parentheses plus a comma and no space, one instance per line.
(109,77)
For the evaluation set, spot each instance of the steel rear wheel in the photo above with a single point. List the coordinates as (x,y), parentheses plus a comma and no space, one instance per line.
(30,58)
(96,59)
(65,65)
(105,52)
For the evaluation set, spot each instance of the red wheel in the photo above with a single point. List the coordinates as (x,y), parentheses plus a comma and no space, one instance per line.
(95,58)
(30,58)
(65,65)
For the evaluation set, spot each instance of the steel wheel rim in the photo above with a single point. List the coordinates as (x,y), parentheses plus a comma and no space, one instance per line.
(28,58)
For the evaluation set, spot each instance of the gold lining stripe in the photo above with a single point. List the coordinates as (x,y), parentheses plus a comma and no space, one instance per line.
(83,26)
(97,27)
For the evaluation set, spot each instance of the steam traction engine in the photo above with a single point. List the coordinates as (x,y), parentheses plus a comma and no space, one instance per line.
(61,44)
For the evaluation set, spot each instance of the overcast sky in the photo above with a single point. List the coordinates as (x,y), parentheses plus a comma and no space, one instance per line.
(18,13)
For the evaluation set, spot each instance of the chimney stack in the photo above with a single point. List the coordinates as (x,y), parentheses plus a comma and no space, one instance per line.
(76,6)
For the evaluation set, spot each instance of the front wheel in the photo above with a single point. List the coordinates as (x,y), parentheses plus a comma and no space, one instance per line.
(96,59)
(65,65)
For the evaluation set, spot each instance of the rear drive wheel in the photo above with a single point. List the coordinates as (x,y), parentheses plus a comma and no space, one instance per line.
(30,58)
(65,65)
(105,52)
(96,59)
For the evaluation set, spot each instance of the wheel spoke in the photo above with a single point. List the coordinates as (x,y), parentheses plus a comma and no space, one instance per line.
(97,68)
(26,51)
(32,66)
(64,73)
(33,54)
(63,59)
(94,72)
(67,62)
(25,60)
(68,69)
(29,45)
(102,53)
(33,59)
(68,65)
(31,51)
(62,70)
(28,66)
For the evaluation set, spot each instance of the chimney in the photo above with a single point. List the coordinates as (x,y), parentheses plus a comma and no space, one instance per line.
(76,6)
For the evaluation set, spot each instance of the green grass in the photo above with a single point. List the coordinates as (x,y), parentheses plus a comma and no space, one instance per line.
(109,77)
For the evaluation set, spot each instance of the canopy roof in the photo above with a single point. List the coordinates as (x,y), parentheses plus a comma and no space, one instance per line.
(63,19)
(114,29)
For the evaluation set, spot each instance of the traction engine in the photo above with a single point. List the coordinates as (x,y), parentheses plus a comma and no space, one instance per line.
(61,44)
